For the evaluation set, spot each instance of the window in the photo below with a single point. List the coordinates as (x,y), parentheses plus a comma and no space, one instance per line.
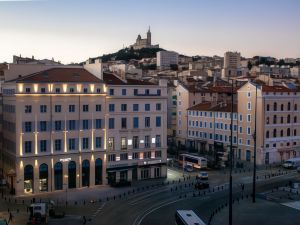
(135,107)
(249,105)
(57,108)
(249,130)
(98,108)
(111,143)
(27,108)
(147,121)
(249,94)
(71,108)
(241,117)
(157,154)
(71,90)
(28,145)
(123,92)
(112,157)
(43,108)
(43,126)
(147,155)
(85,143)
(123,123)
(111,123)
(72,125)
(295,107)
(111,91)
(274,133)
(111,107)
(85,108)
(295,119)
(43,90)
(72,144)
(158,92)
(123,156)
(267,134)
(281,133)
(98,142)
(282,107)
(85,124)
(135,122)
(147,141)
(288,132)
(288,119)
(275,106)
(57,90)
(248,118)
(27,90)
(85,90)
(158,141)
(98,90)
(28,126)
(295,132)
(57,145)
(147,107)
(135,140)
(281,119)
(98,123)
(123,143)
(135,155)
(135,92)
(274,119)
(43,145)
(289,106)
(147,92)
(158,106)
(58,125)
(158,121)
(268,107)
(123,107)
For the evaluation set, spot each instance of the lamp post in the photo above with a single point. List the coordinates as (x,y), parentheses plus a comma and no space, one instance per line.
(230,157)
(254,156)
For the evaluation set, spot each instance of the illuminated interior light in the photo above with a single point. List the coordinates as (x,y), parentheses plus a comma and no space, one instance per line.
(141,155)
(129,156)
(92,158)
(65,87)
(118,158)
(104,88)
(20,87)
(21,144)
(65,148)
(50,87)
(35,88)
(152,155)
(52,163)
(153,140)
(142,141)
(104,157)
(36,141)
(129,141)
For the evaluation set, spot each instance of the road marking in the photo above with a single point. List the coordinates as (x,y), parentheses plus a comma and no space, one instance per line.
(98,210)
(138,222)
(136,201)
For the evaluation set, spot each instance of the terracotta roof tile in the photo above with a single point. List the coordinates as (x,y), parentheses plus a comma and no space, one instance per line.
(112,79)
(208,106)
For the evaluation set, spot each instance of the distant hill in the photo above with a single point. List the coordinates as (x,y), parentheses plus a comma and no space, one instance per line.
(129,53)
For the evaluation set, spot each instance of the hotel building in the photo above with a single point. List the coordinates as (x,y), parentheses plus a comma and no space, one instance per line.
(75,127)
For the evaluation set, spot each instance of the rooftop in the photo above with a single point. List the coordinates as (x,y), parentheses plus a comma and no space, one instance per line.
(209,107)
(112,79)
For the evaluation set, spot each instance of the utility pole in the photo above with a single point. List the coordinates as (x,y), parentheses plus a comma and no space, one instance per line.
(254,156)
(231,155)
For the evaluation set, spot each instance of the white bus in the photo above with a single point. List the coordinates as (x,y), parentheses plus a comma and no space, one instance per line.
(193,160)
(187,217)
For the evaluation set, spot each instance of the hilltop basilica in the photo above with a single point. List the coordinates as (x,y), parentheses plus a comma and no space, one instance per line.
(144,43)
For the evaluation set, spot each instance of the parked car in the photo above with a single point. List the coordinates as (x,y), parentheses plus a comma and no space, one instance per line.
(3,222)
(188,168)
(201,185)
(202,175)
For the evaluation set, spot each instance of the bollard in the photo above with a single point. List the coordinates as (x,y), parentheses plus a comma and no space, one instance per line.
(75,202)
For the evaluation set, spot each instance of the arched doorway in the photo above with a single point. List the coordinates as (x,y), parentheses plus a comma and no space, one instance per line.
(98,171)
(58,176)
(72,174)
(85,173)
(43,176)
(28,179)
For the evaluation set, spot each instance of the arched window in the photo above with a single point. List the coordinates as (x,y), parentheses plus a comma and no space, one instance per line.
(289,106)
(282,107)
(85,173)
(295,107)
(275,106)
(288,132)
(98,171)
(281,119)
(28,179)
(295,119)
(274,119)
(281,133)
(58,176)
(267,134)
(288,119)
(72,174)
(268,107)
(43,176)
(295,132)
(274,133)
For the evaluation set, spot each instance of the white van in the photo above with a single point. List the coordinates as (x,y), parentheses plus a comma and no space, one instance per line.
(292,163)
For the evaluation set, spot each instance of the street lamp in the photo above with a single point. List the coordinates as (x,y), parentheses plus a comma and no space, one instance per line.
(254,157)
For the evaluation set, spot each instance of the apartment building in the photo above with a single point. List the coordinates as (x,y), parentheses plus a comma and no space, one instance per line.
(232,64)
(209,127)
(74,127)
(191,95)
(165,59)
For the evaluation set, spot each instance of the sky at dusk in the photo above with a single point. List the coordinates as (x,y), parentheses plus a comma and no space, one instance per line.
(74,30)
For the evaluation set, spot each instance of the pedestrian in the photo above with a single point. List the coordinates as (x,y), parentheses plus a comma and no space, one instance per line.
(10,217)
(84,220)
